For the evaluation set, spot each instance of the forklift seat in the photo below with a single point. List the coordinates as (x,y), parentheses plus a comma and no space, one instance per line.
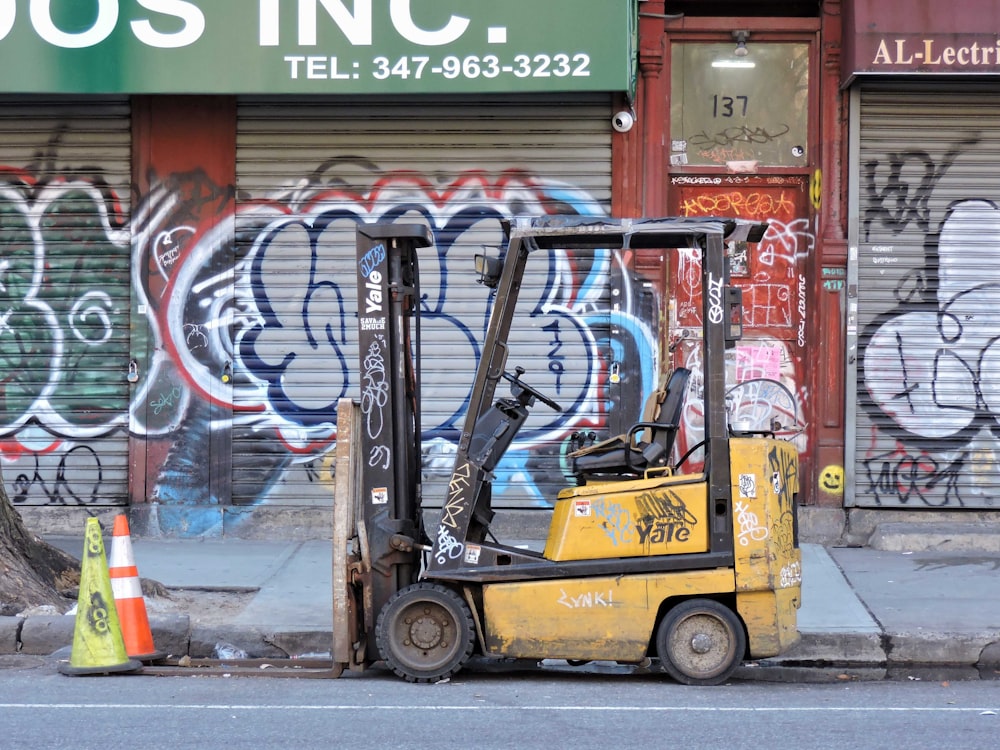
(629,455)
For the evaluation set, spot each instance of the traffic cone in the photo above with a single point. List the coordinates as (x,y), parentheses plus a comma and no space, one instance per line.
(128,595)
(98,646)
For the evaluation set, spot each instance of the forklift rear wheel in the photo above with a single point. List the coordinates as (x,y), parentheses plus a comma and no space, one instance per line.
(700,642)
(425,632)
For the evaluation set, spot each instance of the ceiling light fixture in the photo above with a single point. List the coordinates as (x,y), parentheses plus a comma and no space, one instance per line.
(741,43)
(740,53)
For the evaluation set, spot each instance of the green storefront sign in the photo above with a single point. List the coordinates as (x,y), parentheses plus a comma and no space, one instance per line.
(316,46)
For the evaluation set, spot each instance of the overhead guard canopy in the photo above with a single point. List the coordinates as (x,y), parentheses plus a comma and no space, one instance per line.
(548,232)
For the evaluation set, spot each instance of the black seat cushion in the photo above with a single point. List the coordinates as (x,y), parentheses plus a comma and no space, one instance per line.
(629,455)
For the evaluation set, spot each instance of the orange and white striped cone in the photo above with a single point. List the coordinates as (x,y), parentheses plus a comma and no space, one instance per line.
(128,595)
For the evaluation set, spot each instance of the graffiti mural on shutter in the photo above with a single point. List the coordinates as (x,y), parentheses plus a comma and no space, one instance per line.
(928,298)
(64,300)
(309,171)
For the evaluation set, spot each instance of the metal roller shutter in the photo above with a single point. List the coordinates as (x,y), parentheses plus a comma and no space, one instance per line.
(307,171)
(928,297)
(65,290)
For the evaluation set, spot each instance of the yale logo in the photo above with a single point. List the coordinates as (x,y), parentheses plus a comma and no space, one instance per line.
(373,297)
(373,278)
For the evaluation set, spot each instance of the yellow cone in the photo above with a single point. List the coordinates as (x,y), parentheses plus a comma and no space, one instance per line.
(98,645)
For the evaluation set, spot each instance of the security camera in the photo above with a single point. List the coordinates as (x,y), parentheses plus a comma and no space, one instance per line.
(623,121)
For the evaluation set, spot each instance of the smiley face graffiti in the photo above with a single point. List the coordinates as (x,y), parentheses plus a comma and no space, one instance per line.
(831,480)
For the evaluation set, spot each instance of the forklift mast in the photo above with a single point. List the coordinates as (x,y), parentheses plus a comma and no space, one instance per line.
(390,448)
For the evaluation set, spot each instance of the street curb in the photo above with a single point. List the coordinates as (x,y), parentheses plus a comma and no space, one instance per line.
(211,641)
(929,647)
(936,537)
(171,633)
(990,657)
(42,635)
(861,649)
(10,633)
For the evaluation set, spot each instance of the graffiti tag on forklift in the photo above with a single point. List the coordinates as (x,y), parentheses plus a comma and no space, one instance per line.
(588,599)
(374,392)
(456,491)
(662,532)
(784,476)
(748,486)
(664,518)
(449,548)
(715,286)
(750,528)
(791,575)
(615,521)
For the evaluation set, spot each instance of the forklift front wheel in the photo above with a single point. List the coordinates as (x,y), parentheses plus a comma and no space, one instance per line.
(700,642)
(425,632)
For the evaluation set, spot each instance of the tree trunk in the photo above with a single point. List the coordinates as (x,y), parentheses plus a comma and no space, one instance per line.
(32,572)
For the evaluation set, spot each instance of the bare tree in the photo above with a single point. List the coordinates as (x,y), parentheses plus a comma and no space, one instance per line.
(32,572)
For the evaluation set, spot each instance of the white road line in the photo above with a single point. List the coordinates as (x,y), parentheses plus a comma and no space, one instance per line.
(575,709)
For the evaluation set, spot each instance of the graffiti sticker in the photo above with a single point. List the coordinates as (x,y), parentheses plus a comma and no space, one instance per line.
(748,486)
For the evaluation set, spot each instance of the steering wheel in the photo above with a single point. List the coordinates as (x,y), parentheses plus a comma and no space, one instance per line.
(530,390)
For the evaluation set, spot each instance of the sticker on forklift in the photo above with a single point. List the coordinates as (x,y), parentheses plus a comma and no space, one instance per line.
(472,554)
(748,486)
(581,508)
(380,495)
(791,575)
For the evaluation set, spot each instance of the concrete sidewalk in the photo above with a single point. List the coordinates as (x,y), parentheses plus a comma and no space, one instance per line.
(861,608)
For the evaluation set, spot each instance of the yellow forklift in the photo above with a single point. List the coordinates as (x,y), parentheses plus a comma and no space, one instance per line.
(643,560)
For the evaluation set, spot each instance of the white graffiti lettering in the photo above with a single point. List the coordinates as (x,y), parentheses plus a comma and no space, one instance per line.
(586,600)
(802,310)
(90,318)
(696,180)
(715,289)
(449,548)
(750,528)
(374,389)
(380,456)
(791,575)
(785,242)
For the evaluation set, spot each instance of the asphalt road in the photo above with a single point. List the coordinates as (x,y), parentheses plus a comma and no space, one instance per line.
(40,708)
